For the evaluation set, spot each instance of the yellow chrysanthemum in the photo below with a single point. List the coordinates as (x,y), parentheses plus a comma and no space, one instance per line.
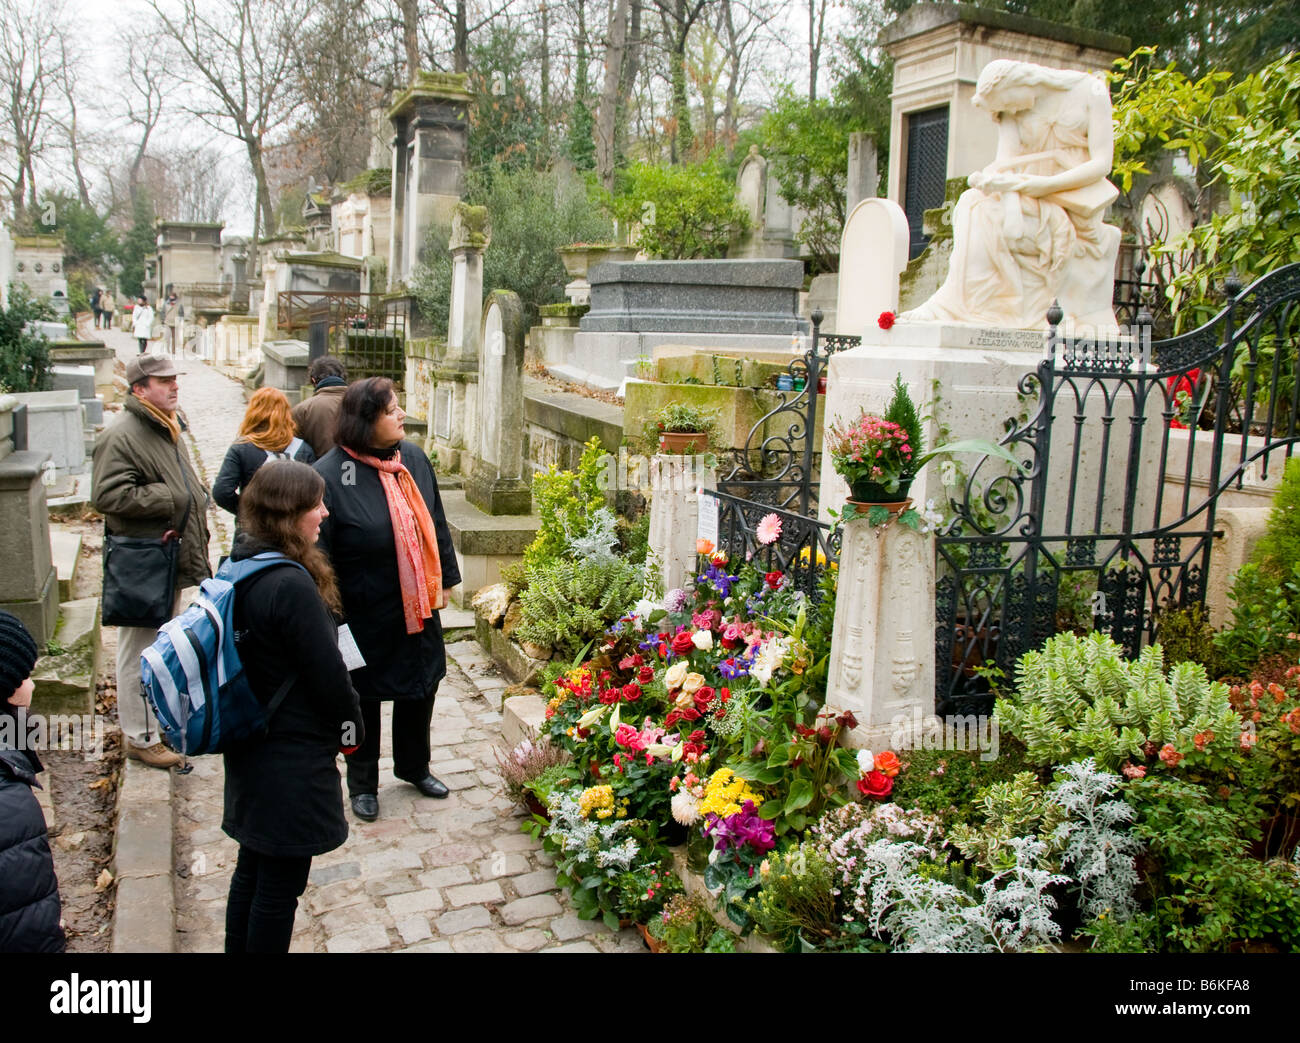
(725,794)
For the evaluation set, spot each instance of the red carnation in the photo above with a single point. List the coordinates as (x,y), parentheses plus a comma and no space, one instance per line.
(609,696)
(886,320)
(773,579)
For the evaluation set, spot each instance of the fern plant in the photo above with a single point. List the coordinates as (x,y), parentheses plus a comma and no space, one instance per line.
(568,603)
(1079,697)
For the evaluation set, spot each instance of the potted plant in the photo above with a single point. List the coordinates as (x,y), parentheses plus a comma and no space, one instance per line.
(682,429)
(881,455)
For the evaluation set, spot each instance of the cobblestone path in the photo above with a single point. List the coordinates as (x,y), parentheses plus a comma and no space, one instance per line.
(452,875)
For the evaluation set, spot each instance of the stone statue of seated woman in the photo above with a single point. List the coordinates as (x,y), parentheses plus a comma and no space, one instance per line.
(1029,229)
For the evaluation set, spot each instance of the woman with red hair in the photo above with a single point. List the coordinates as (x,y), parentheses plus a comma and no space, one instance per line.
(266,433)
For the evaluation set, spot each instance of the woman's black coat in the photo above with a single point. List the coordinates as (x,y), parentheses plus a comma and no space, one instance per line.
(283,795)
(29,892)
(358,537)
(237,470)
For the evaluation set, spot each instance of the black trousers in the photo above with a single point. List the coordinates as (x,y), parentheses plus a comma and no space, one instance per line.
(411,719)
(264,893)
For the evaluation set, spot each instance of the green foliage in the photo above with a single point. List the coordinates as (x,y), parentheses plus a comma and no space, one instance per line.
(580,146)
(1079,697)
(1204,891)
(941,782)
(568,603)
(682,212)
(533,214)
(565,502)
(89,245)
(507,129)
(1242,137)
(24,359)
(686,925)
(1186,635)
(1016,808)
(1278,551)
(902,411)
(797,897)
(677,416)
(807,146)
(137,245)
(1264,612)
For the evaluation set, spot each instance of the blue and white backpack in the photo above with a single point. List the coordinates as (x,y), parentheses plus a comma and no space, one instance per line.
(192,675)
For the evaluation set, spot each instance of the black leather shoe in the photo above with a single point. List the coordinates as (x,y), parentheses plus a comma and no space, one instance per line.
(430,787)
(366,806)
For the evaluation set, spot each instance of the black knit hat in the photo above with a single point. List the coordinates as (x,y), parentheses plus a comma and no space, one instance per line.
(17,655)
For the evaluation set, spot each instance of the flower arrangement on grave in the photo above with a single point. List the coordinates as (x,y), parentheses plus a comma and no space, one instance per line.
(881,455)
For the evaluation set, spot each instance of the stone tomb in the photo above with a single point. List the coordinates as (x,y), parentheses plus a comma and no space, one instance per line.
(636,305)
(496,484)
(29,586)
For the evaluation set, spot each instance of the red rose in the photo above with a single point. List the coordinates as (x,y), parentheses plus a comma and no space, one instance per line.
(875,785)
(682,643)
(663,649)
(886,320)
(726,694)
(631,692)
(703,698)
(645,675)
(773,579)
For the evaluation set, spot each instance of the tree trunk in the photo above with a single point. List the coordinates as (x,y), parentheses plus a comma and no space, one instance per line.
(546,79)
(411,37)
(462,38)
(610,94)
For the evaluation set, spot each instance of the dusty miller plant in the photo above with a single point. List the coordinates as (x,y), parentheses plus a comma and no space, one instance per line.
(1093,848)
(598,541)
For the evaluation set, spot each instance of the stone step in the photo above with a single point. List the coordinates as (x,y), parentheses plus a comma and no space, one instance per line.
(522,717)
(65,681)
(74,502)
(484,542)
(66,548)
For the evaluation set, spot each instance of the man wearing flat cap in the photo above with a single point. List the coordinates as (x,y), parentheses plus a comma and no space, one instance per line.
(143,483)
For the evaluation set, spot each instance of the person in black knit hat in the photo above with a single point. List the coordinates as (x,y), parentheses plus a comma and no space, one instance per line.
(29,891)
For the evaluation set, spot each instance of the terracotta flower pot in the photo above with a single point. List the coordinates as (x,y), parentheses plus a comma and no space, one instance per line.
(677,443)
(894,507)
(652,943)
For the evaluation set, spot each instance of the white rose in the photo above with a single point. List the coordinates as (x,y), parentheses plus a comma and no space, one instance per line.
(866,762)
(702,639)
(676,674)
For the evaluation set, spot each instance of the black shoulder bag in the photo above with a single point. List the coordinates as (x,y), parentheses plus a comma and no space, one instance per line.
(140,572)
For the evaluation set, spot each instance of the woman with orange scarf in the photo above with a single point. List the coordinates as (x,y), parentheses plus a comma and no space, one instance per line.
(387,538)
(266,433)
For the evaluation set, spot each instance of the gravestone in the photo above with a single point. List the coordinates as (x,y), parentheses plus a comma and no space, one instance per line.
(29,585)
(54,427)
(471,234)
(496,484)
(285,364)
(873,253)
(773,223)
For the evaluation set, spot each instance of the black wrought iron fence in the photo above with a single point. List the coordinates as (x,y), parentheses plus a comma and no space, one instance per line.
(365,331)
(1088,536)
(777,471)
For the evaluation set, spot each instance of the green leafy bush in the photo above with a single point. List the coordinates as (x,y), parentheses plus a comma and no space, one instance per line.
(1186,635)
(1204,892)
(1264,612)
(24,358)
(1278,551)
(941,782)
(568,603)
(565,502)
(1079,697)
(682,211)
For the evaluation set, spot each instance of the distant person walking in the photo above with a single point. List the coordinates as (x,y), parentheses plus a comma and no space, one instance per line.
(95,305)
(142,322)
(173,317)
(266,433)
(107,305)
(315,417)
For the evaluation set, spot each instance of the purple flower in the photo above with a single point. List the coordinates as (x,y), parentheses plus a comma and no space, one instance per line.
(732,668)
(744,829)
(675,600)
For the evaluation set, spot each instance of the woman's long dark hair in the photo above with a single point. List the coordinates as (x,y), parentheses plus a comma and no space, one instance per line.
(279,494)
(363,403)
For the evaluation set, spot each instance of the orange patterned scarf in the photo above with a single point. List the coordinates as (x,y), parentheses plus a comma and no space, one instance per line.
(418,564)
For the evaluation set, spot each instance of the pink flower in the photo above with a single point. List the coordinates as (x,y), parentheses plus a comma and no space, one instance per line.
(769,529)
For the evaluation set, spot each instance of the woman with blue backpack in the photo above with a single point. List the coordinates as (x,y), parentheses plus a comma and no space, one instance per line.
(266,433)
(283,797)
